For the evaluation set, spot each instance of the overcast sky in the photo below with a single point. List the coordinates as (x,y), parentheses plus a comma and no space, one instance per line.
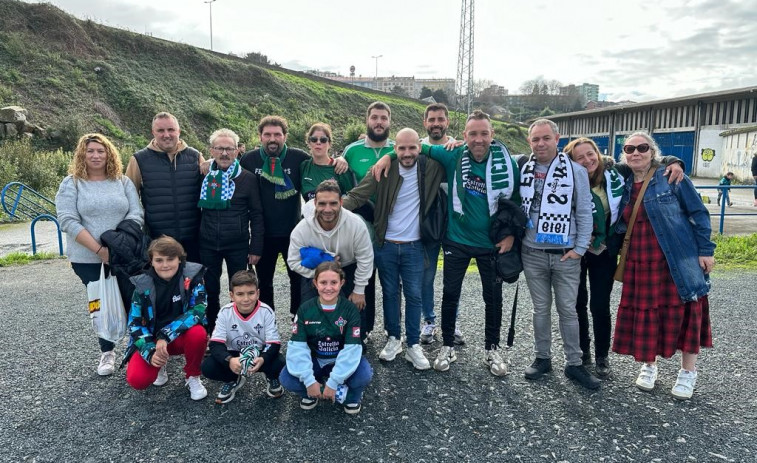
(634,50)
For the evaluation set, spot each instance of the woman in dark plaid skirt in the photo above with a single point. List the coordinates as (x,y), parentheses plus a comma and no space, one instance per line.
(664,305)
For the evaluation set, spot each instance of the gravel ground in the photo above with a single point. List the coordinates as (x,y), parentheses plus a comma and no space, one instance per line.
(56,408)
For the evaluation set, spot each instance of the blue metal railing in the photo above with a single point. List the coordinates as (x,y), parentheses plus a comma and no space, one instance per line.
(723,213)
(21,202)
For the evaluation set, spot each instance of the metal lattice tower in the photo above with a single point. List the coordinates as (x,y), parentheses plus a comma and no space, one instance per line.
(464,83)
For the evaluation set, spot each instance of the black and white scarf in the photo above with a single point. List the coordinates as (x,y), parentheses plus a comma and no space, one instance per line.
(553,221)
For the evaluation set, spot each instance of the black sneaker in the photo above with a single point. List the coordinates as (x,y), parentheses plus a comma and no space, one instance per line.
(581,375)
(586,359)
(352,409)
(274,389)
(603,367)
(228,390)
(538,368)
(306,403)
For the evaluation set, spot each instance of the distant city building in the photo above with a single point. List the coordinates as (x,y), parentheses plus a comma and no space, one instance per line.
(410,85)
(589,92)
(494,91)
(599,104)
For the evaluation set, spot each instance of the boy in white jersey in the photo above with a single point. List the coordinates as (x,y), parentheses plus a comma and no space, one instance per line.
(244,326)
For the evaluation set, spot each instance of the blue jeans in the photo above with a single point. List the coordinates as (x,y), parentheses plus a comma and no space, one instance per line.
(356,383)
(405,261)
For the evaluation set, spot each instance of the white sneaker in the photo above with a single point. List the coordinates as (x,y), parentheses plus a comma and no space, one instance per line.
(647,377)
(391,349)
(427,333)
(414,355)
(446,356)
(196,390)
(162,378)
(684,386)
(459,340)
(494,361)
(107,363)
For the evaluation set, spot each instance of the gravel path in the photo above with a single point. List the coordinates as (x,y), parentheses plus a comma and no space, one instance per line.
(56,408)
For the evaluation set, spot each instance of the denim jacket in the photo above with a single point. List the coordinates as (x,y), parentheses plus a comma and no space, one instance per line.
(681,224)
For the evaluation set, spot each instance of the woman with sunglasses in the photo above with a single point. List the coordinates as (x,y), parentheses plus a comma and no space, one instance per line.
(321,166)
(94,198)
(599,263)
(664,305)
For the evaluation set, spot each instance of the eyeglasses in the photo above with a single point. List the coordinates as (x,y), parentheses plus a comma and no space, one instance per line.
(642,148)
(223,149)
(323,140)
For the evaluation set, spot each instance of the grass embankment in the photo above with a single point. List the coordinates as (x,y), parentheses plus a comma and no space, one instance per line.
(736,252)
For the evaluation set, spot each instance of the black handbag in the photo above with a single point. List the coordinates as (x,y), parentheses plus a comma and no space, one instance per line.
(509,264)
(434,223)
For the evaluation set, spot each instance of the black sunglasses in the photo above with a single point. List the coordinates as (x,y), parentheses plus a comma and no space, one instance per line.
(323,140)
(642,148)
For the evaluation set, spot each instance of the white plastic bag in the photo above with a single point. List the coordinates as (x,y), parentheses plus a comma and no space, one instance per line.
(106,307)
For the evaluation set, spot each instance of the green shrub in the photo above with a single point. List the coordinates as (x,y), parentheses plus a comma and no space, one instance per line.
(351,133)
(40,170)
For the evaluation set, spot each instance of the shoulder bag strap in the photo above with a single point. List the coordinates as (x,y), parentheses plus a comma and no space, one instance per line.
(627,239)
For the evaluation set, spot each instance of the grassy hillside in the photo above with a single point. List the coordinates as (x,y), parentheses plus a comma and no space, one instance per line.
(48,60)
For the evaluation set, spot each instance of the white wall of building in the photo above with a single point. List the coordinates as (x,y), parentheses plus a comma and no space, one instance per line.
(738,150)
(707,165)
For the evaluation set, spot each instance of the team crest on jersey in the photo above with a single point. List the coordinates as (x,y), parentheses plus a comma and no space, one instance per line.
(355,331)
(340,323)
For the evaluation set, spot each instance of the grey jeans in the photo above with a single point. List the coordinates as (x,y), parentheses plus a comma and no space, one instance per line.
(544,272)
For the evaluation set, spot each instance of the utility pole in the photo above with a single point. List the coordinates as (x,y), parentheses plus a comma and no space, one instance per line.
(464,84)
(375,79)
(210,8)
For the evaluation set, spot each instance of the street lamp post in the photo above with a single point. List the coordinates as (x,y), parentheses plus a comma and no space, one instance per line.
(210,9)
(375,80)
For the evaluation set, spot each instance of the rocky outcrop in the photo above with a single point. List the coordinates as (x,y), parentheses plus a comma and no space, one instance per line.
(13,123)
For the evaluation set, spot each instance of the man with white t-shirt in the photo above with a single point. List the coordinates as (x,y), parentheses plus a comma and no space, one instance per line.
(399,251)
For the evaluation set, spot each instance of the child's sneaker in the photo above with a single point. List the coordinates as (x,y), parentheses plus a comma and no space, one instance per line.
(107,363)
(196,390)
(684,386)
(493,360)
(352,409)
(162,378)
(647,377)
(459,339)
(274,389)
(306,403)
(228,390)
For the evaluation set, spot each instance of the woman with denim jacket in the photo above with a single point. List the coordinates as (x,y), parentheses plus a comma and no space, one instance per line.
(664,305)
(598,264)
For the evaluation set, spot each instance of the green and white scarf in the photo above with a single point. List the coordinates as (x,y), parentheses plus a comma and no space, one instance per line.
(218,186)
(614,189)
(499,177)
(272,171)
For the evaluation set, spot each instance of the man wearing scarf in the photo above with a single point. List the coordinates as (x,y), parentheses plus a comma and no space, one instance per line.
(277,167)
(231,227)
(556,197)
(478,173)
(167,176)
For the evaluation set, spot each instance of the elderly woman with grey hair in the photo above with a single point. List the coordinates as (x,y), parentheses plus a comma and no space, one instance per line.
(664,305)
(231,225)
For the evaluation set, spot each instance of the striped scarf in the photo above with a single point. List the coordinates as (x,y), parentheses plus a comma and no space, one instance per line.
(272,171)
(553,220)
(499,177)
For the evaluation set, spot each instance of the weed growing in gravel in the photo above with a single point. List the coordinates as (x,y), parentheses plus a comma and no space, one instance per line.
(21,258)
(736,252)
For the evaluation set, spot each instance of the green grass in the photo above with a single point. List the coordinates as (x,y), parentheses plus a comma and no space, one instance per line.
(21,258)
(736,252)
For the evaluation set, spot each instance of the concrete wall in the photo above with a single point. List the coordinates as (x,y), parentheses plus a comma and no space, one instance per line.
(738,150)
(709,153)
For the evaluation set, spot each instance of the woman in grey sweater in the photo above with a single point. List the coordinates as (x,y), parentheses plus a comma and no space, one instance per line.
(94,198)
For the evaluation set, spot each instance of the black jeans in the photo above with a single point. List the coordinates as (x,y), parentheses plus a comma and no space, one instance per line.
(600,269)
(91,272)
(368,314)
(266,267)
(456,259)
(212,258)
(217,371)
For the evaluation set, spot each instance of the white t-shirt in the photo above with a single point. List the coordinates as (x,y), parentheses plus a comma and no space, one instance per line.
(404,220)
(238,331)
